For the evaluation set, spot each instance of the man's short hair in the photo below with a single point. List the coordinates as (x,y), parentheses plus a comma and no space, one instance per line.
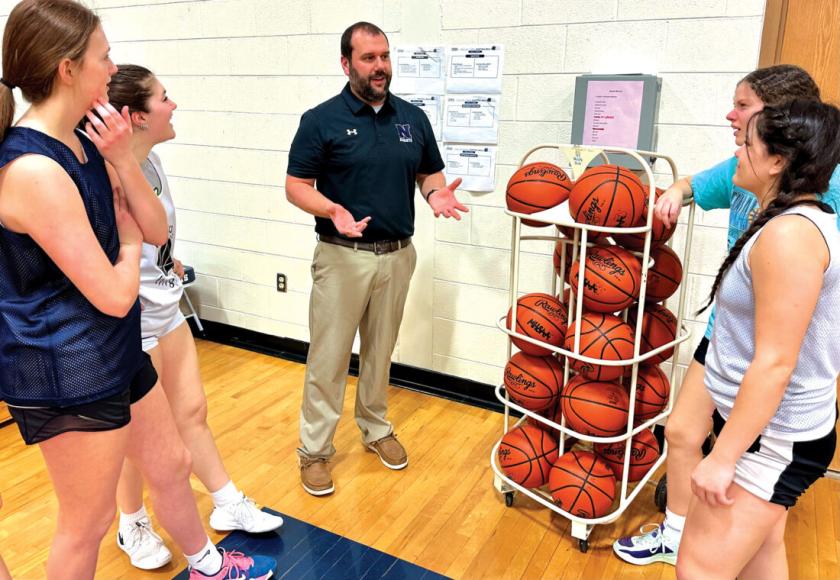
(372,29)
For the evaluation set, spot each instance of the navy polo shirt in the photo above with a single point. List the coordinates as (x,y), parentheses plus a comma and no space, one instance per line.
(366,161)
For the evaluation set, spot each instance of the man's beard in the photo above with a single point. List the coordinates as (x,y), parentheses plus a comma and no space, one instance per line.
(365,90)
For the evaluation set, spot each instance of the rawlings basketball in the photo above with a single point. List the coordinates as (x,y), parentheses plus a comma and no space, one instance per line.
(595,408)
(533,381)
(582,484)
(644,452)
(542,317)
(555,414)
(652,392)
(612,279)
(664,276)
(536,187)
(659,327)
(659,233)
(607,195)
(526,454)
(602,336)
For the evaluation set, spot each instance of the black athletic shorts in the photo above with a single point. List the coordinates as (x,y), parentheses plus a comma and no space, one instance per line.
(700,353)
(37,424)
(779,471)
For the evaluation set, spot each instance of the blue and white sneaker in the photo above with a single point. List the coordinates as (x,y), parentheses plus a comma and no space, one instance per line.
(648,548)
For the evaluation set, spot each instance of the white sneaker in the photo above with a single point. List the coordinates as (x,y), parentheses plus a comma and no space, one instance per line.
(243,515)
(143,546)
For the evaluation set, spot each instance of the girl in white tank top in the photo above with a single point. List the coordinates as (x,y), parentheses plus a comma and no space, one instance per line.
(774,355)
(168,340)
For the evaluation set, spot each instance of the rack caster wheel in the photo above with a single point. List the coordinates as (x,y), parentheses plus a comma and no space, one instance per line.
(583,545)
(509,499)
(660,496)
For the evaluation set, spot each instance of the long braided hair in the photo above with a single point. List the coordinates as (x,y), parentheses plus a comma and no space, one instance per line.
(805,134)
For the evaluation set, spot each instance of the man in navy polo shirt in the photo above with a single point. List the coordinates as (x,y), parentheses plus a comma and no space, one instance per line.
(353,164)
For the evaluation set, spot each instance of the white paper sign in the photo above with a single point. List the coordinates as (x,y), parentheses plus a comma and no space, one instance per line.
(476,166)
(418,69)
(471,119)
(432,105)
(474,69)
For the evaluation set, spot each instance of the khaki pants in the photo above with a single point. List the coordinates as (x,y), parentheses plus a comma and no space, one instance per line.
(351,289)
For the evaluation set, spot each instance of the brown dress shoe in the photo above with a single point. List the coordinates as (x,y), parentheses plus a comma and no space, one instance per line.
(315,476)
(390,451)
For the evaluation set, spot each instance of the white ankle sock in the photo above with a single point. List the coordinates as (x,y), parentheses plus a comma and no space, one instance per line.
(208,560)
(227,494)
(673,527)
(128,520)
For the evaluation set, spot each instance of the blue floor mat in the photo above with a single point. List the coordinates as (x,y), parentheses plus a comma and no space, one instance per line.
(306,552)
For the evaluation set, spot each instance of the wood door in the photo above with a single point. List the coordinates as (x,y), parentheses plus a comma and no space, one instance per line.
(806,33)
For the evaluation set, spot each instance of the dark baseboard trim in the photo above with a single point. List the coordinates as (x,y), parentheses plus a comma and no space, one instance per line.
(406,376)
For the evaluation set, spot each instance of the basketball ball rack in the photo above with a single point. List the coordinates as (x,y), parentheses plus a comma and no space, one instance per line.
(578,158)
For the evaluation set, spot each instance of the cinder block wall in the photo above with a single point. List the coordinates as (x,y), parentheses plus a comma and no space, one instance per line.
(243,71)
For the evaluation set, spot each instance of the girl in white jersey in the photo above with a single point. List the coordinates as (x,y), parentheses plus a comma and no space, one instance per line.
(167,339)
(774,354)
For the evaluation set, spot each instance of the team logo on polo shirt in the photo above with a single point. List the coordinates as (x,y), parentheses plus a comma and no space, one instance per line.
(404,133)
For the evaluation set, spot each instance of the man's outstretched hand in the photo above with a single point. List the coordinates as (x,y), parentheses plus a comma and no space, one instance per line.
(444,203)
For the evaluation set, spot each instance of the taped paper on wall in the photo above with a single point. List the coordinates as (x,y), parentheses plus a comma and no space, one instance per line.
(432,105)
(476,166)
(471,119)
(474,69)
(418,69)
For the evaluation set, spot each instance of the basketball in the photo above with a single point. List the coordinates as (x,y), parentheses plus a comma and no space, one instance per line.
(536,187)
(526,454)
(542,317)
(602,336)
(644,451)
(652,392)
(659,327)
(582,484)
(533,381)
(607,195)
(612,279)
(595,408)
(664,276)
(659,233)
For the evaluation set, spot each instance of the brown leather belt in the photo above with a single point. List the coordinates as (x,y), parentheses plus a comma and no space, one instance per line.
(380,247)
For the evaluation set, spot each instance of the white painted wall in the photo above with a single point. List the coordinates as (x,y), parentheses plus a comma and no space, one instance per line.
(243,71)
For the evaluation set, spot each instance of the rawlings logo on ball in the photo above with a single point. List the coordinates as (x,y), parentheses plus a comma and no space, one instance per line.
(519,380)
(542,171)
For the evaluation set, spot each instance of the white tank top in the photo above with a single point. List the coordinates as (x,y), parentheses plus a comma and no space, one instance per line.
(807,410)
(160,287)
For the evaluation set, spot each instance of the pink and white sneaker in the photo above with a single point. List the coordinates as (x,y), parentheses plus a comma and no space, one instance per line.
(238,566)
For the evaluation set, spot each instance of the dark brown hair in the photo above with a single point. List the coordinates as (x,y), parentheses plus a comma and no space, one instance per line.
(39,34)
(347,36)
(132,86)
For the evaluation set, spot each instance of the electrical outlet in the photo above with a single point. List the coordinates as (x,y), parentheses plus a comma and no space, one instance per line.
(281,282)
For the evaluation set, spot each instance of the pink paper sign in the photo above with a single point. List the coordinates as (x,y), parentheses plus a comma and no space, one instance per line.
(613,113)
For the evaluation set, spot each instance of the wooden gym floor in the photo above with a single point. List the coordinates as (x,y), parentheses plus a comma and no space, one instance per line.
(441,513)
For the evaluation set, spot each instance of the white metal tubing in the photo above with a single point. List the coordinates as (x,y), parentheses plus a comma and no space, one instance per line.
(514,302)
(545,499)
(683,335)
(568,430)
(574,311)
